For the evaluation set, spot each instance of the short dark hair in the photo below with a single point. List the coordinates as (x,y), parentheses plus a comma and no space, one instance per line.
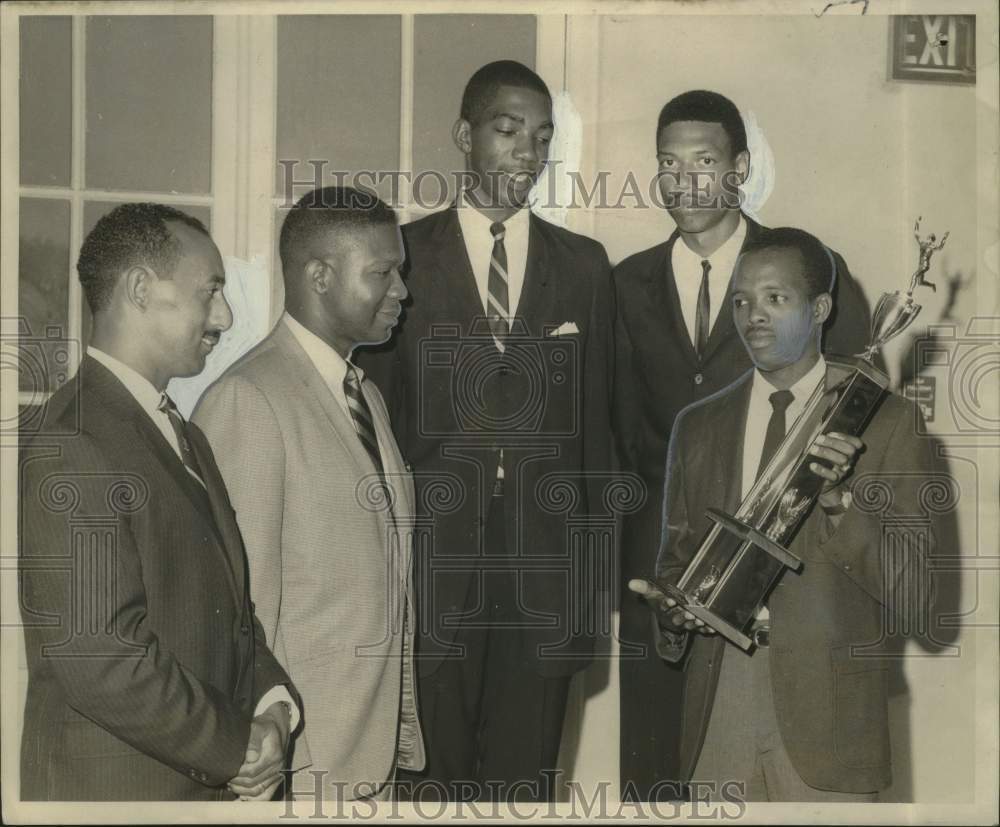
(130,234)
(325,209)
(486,82)
(708,107)
(819,269)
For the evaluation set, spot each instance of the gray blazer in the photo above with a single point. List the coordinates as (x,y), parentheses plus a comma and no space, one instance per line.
(329,569)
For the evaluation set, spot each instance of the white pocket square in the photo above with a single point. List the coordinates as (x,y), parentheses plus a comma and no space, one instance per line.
(564,329)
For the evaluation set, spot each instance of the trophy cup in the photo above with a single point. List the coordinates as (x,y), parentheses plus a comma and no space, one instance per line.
(743,555)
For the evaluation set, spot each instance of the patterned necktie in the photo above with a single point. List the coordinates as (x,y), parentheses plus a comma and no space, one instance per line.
(780,400)
(177,422)
(702,322)
(362,416)
(496,288)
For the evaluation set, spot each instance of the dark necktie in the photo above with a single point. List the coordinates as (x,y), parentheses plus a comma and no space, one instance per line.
(702,321)
(497,301)
(780,400)
(362,416)
(177,422)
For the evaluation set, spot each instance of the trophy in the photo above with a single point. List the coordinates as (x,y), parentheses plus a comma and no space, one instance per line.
(742,556)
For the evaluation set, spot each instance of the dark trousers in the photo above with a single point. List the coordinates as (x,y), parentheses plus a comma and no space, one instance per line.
(650,690)
(492,725)
(650,711)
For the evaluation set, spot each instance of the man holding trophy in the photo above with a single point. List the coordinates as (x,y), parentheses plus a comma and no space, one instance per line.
(797,709)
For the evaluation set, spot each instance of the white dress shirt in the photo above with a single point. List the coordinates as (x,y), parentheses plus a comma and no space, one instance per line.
(759,415)
(687,275)
(148,398)
(479,245)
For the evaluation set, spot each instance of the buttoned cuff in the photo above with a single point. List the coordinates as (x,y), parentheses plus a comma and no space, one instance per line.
(277,694)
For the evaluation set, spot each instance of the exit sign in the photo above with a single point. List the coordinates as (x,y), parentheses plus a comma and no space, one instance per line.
(934,47)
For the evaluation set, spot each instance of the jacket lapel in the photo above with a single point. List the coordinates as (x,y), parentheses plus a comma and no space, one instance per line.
(672,302)
(541,282)
(222,512)
(301,366)
(729,424)
(453,270)
(128,411)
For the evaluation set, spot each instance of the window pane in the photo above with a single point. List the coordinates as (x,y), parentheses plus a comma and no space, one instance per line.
(338,96)
(43,294)
(149,103)
(448,48)
(93,210)
(46,100)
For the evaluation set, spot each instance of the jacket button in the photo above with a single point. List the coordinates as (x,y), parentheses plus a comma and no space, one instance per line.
(847,567)
(244,630)
(698,378)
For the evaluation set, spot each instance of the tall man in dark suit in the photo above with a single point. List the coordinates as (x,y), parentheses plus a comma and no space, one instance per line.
(675,343)
(148,673)
(804,715)
(497,382)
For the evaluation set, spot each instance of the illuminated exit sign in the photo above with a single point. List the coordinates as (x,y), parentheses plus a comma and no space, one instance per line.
(934,47)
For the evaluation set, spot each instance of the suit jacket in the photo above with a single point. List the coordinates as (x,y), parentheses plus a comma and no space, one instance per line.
(329,566)
(829,663)
(658,373)
(456,403)
(145,659)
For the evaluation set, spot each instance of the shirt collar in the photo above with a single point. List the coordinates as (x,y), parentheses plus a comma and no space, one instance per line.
(729,250)
(135,383)
(330,364)
(470,218)
(801,390)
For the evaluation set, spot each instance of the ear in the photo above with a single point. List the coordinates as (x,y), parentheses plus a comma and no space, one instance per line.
(317,275)
(822,308)
(461,134)
(743,165)
(136,284)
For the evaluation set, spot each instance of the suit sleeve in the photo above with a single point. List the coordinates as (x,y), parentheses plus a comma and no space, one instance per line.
(98,640)
(888,493)
(245,437)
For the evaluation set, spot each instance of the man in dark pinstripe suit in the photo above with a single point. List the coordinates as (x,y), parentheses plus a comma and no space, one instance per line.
(148,673)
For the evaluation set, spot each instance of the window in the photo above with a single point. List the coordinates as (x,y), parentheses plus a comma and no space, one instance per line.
(99,127)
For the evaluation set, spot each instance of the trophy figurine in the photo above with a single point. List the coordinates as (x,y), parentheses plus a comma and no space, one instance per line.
(742,556)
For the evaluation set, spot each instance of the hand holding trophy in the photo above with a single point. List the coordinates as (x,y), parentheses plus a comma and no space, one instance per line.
(742,555)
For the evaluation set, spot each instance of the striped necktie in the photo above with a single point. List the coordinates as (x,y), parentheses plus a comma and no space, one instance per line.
(497,301)
(177,422)
(362,416)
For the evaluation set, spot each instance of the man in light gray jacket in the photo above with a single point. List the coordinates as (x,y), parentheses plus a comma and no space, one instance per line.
(323,496)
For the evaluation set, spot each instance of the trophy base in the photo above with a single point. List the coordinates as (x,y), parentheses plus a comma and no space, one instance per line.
(708,617)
